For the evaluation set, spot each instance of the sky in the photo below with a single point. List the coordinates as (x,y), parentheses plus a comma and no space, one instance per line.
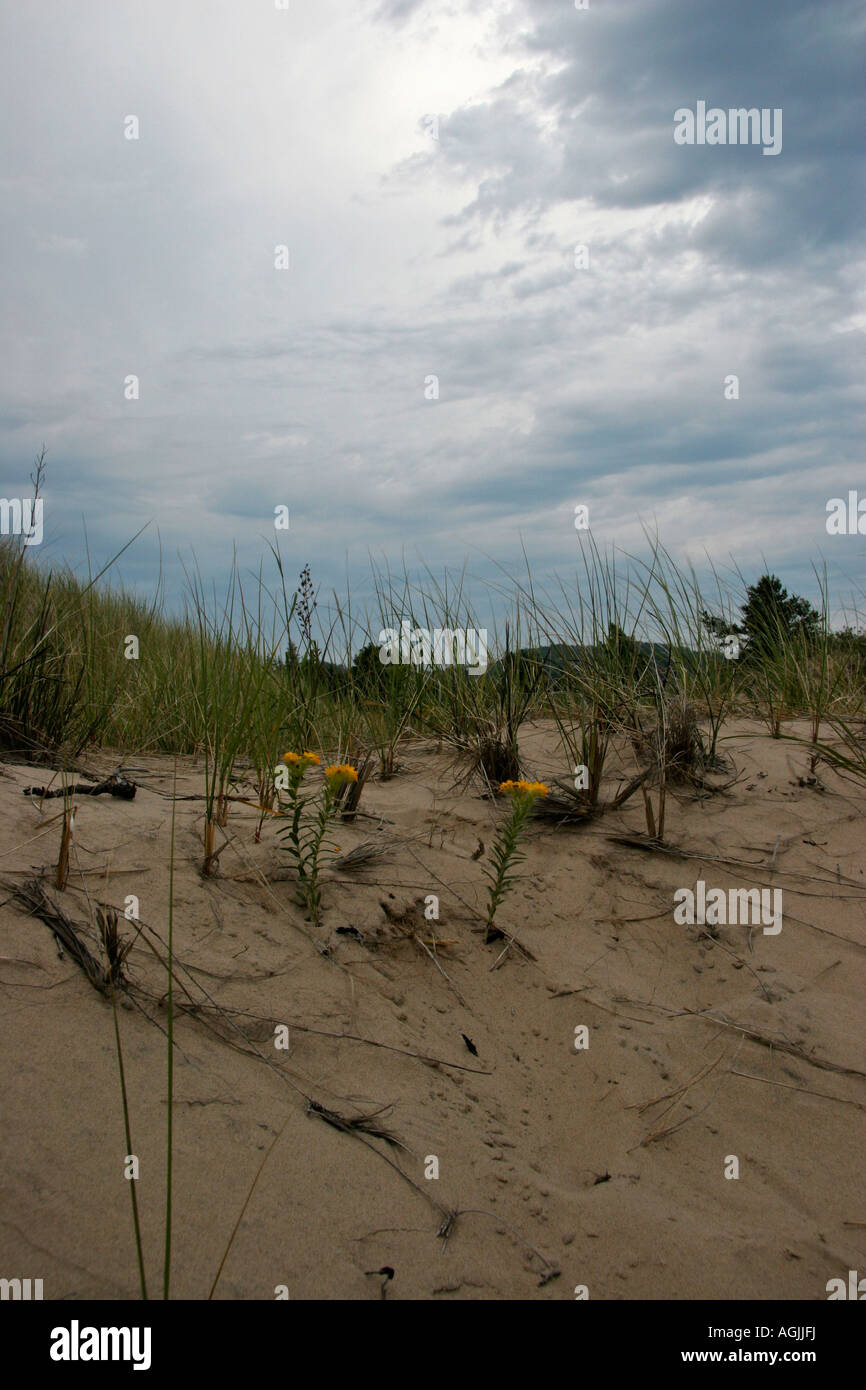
(438,377)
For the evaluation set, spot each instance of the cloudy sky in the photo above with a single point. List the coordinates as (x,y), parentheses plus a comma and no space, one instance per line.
(431,166)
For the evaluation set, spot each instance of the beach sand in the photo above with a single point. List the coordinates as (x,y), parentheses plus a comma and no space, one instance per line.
(600,1168)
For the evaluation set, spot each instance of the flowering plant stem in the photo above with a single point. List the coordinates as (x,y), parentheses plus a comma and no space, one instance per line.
(309,877)
(304,835)
(505,854)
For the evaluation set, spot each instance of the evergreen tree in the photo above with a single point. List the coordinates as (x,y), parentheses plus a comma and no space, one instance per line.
(771,618)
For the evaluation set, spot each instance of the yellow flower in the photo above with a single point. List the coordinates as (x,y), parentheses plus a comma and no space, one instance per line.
(521,789)
(341,773)
(296,759)
(298,764)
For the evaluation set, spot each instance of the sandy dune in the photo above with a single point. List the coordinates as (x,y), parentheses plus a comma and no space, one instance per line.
(602,1167)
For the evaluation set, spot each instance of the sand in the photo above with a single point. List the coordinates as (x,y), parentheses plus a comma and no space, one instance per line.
(601,1168)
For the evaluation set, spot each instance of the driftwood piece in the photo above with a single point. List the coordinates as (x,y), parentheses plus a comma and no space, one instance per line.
(111,786)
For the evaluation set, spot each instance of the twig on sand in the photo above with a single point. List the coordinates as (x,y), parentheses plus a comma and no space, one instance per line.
(605,1008)
(348,1037)
(360,1130)
(679,1091)
(765,1039)
(635,841)
(111,786)
(717,941)
(672,1129)
(805,1090)
(443,973)
(509,942)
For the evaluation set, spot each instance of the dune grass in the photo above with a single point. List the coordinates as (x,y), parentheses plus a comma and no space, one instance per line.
(246,672)
(621,656)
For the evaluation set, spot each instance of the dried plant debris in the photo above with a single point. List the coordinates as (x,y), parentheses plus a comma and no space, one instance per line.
(363,1124)
(349,797)
(675,748)
(564,805)
(361,857)
(110,786)
(33,898)
(114,948)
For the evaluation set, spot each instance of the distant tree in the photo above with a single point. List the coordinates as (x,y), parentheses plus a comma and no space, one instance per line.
(849,639)
(773,617)
(770,619)
(637,661)
(620,644)
(719,628)
(849,646)
(368,672)
(373,677)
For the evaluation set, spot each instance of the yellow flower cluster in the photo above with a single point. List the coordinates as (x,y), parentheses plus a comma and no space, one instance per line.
(340,773)
(307,758)
(532,789)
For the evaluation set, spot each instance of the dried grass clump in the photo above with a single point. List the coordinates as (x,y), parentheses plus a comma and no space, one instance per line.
(564,805)
(33,898)
(683,745)
(367,853)
(497,759)
(114,948)
(674,746)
